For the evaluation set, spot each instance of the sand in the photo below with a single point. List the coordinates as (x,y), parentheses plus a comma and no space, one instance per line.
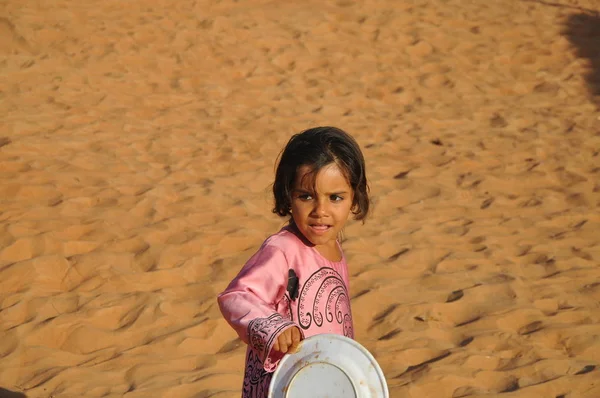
(137,146)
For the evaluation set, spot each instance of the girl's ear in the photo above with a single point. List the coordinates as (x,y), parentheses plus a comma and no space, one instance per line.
(355,209)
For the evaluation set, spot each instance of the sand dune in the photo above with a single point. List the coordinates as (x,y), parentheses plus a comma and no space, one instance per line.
(137,146)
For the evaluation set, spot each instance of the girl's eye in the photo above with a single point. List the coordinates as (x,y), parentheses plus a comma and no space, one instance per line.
(335,198)
(305,197)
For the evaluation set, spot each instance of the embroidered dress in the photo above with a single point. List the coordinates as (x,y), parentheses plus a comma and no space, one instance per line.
(286,283)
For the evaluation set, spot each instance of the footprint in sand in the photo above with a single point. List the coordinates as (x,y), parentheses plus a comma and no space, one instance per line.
(4,140)
(11,42)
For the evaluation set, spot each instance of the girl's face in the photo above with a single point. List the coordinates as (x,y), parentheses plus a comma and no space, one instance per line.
(321,215)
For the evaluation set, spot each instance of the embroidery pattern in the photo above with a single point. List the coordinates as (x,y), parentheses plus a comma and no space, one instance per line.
(256,379)
(326,287)
(262,332)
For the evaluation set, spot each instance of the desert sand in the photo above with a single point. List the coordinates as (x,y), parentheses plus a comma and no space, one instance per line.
(137,148)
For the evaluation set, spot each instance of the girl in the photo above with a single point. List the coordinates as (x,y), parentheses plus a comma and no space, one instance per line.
(296,285)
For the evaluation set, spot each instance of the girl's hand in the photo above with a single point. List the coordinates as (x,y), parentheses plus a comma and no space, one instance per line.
(288,341)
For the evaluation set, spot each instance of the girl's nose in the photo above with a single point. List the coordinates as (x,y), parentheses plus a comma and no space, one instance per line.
(320,208)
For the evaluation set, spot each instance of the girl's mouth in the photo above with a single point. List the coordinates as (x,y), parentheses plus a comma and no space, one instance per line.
(320,228)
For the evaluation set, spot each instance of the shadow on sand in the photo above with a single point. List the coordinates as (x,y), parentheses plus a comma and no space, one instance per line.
(4,393)
(583,31)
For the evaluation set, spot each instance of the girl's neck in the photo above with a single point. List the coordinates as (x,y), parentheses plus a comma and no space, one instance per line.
(333,254)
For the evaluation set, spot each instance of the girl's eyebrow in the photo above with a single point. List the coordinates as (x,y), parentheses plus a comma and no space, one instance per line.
(326,194)
(337,193)
(301,191)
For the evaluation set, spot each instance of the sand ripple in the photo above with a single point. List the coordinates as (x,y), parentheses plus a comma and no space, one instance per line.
(137,149)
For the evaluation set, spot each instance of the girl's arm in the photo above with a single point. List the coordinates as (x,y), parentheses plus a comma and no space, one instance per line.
(249,303)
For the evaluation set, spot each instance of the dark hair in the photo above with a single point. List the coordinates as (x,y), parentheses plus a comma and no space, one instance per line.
(316,148)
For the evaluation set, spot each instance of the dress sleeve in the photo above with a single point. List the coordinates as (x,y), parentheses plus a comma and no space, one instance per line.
(249,303)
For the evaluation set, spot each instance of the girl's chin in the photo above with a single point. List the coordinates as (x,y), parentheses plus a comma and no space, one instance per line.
(319,238)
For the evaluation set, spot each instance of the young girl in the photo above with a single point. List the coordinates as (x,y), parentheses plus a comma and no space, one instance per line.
(296,285)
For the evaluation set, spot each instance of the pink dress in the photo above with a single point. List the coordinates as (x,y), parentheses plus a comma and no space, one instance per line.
(286,283)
